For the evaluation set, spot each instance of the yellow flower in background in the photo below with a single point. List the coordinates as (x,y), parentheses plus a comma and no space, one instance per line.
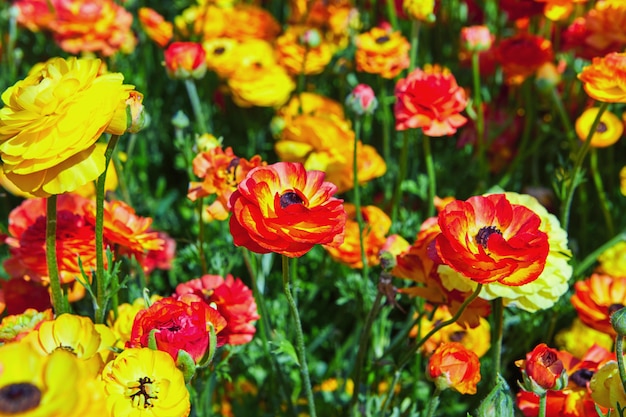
(260,86)
(578,338)
(613,260)
(383,52)
(142,382)
(51,121)
(622,180)
(420,9)
(606,386)
(206,22)
(608,131)
(248,21)
(299,57)
(551,284)
(605,79)
(225,56)
(34,385)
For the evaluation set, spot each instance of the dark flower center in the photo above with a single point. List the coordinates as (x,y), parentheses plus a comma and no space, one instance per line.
(457,336)
(232,168)
(145,389)
(614,308)
(484,233)
(290,198)
(548,358)
(581,377)
(602,127)
(219,50)
(19,398)
(382,39)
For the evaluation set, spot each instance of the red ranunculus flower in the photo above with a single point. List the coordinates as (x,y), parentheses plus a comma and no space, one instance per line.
(597,298)
(185,60)
(430,99)
(181,324)
(285,209)
(522,55)
(232,299)
(543,366)
(488,239)
(452,365)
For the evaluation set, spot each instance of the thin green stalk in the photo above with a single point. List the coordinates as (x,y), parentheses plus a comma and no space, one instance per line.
(604,201)
(481,143)
(357,195)
(415,43)
(543,400)
(205,123)
(387,125)
(567,124)
(59,302)
(432,179)
(391,392)
(593,256)
(201,237)
(619,354)
(300,348)
(498,329)
(102,287)
(433,403)
(404,161)
(391,14)
(576,170)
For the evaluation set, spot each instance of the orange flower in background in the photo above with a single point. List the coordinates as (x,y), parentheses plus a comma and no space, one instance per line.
(262,86)
(608,131)
(574,400)
(559,10)
(522,55)
(454,366)
(155,26)
(543,366)
(27,236)
(430,99)
(285,209)
(300,56)
(377,225)
(180,324)
(225,56)
(35,15)
(98,26)
(488,239)
(382,52)
(370,165)
(596,298)
(51,121)
(185,60)
(221,170)
(232,299)
(605,79)
(247,21)
(206,21)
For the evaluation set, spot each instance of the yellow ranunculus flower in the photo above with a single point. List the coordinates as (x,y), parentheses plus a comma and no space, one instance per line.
(608,131)
(260,86)
(51,121)
(33,385)
(606,386)
(142,382)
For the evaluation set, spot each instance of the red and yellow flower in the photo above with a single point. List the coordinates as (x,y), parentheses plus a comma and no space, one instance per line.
(185,60)
(608,131)
(382,52)
(248,21)
(155,26)
(285,209)
(522,55)
(431,99)
(605,79)
(300,57)
(543,367)
(596,298)
(488,239)
(454,366)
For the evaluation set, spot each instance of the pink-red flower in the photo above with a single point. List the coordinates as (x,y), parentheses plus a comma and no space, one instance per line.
(522,55)
(232,299)
(488,239)
(178,324)
(185,60)
(431,99)
(362,100)
(285,209)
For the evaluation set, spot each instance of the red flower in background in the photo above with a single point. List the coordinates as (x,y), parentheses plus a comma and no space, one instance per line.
(179,323)
(285,209)
(522,55)
(543,366)
(232,299)
(597,298)
(488,239)
(452,365)
(430,99)
(185,60)
(20,294)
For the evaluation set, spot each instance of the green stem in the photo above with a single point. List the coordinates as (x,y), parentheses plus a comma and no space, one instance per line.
(593,256)
(102,286)
(415,43)
(567,124)
(481,143)
(604,202)
(387,125)
(391,392)
(201,237)
(433,403)
(59,302)
(498,314)
(404,161)
(576,171)
(357,195)
(192,92)
(391,13)
(300,348)
(432,179)
(543,400)
(619,354)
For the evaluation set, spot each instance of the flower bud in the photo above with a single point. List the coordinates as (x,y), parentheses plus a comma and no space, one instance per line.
(362,100)
(542,370)
(618,321)
(547,77)
(136,114)
(184,60)
(476,38)
(180,120)
(311,38)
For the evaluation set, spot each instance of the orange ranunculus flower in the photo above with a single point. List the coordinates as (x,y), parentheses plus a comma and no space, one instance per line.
(430,99)
(310,103)
(225,55)
(206,21)
(558,10)
(370,165)
(27,237)
(377,225)
(522,54)
(156,27)
(596,298)
(97,26)
(185,60)
(299,57)
(221,170)
(51,121)
(574,400)
(285,209)
(608,131)
(247,21)
(181,323)
(605,79)
(454,366)
(382,52)
(543,366)
(263,86)
(232,299)
(415,264)
(488,239)
(34,14)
